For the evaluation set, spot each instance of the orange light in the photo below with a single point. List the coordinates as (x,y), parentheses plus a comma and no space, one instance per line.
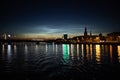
(98,53)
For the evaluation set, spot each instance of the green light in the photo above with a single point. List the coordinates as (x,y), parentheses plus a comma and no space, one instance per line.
(66,52)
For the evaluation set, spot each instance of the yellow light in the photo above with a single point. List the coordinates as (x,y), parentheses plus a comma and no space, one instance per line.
(91,50)
(111,52)
(98,53)
(118,53)
(87,49)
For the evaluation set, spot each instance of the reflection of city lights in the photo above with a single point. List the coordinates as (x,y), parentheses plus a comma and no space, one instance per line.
(106,48)
(78,51)
(53,46)
(65,52)
(72,48)
(56,48)
(36,48)
(46,47)
(87,49)
(9,49)
(3,48)
(111,51)
(66,48)
(82,50)
(98,53)
(9,53)
(118,53)
(26,49)
(14,48)
(3,51)
(91,50)
(88,52)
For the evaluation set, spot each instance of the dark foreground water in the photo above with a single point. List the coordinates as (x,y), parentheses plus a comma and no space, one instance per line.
(46,61)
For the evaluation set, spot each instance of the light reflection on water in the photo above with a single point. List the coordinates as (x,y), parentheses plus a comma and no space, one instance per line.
(98,53)
(118,53)
(45,56)
(3,52)
(46,47)
(26,53)
(9,53)
(3,48)
(72,51)
(82,50)
(26,49)
(111,53)
(65,48)
(56,48)
(15,49)
(78,51)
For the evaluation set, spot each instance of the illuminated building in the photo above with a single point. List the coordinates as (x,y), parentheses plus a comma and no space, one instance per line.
(5,36)
(89,38)
(114,36)
(65,36)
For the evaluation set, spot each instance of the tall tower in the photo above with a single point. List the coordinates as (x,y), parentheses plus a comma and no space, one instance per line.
(85,33)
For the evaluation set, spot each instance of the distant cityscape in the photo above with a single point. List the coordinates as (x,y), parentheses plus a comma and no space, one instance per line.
(87,37)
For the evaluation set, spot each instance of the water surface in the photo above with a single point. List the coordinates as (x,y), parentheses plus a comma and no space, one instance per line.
(32,61)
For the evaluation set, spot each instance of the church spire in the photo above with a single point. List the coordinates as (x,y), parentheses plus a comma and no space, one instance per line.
(85,33)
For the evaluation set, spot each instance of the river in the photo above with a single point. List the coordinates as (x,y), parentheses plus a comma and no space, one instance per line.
(49,61)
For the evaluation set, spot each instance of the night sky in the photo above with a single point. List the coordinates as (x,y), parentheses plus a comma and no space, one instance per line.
(54,18)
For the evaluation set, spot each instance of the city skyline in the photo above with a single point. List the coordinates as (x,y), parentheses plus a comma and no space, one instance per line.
(52,36)
(47,19)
